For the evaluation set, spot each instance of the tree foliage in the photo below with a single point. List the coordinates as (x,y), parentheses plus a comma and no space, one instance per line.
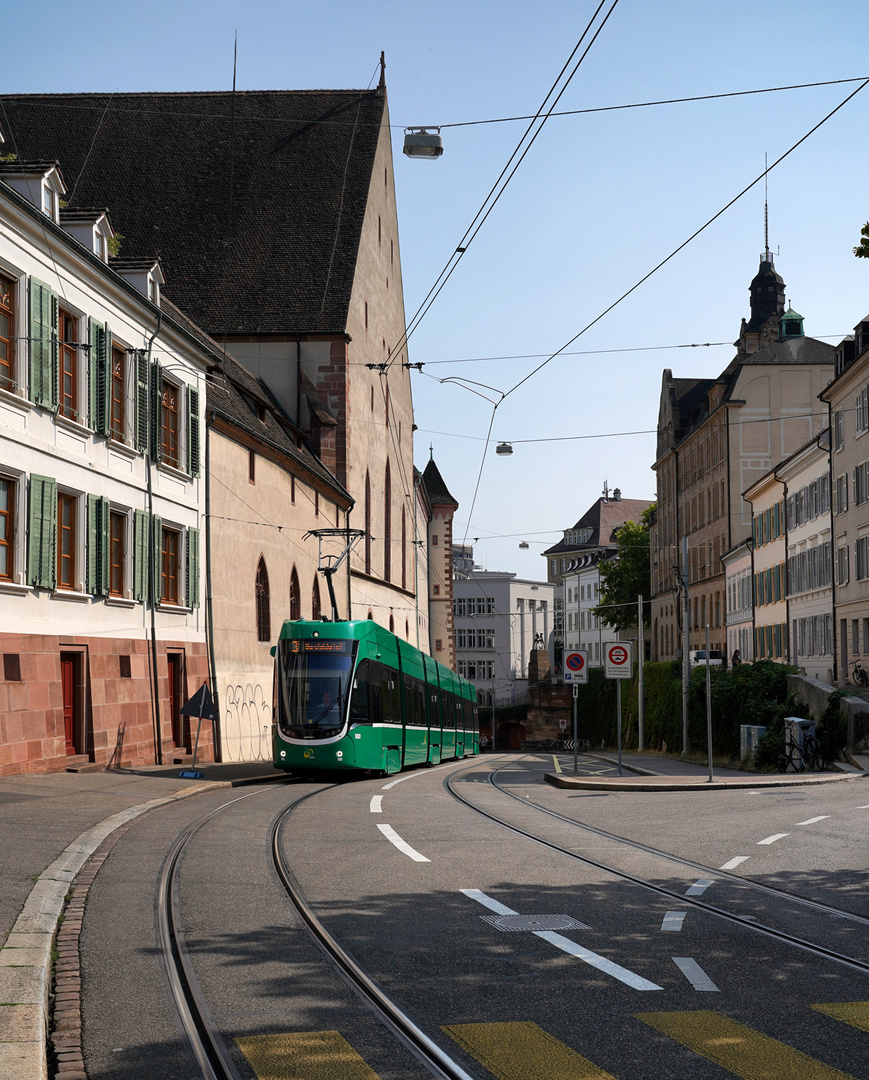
(862,252)
(628,576)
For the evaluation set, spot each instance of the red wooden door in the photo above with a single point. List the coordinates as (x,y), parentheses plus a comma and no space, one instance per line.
(175,700)
(67,679)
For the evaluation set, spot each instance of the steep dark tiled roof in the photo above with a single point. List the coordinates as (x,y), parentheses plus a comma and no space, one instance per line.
(300,164)
(435,487)
(604,518)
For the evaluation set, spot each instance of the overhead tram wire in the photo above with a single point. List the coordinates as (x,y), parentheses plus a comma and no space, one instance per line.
(693,235)
(498,188)
(654,270)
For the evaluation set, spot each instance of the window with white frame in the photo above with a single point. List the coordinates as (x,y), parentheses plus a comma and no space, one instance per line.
(861,409)
(861,560)
(843,570)
(8,331)
(841,494)
(13,503)
(838,429)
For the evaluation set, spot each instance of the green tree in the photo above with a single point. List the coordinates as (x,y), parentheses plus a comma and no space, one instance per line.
(628,576)
(862,252)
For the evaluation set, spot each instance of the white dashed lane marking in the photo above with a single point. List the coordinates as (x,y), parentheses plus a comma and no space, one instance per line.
(699,887)
(376,806)
(673,921)
(402,845)
(812,820)
(694,973)
(733,863)
(772,839)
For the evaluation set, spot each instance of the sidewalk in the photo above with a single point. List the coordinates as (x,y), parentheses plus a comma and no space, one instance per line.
(655,772)
(52,824)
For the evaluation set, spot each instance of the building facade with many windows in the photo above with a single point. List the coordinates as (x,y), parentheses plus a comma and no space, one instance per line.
(498,620)
(102,394)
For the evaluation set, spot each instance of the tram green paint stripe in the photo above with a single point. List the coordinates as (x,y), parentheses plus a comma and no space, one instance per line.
(306,1055)
(855,1013)
(523,1051)
(743,1052)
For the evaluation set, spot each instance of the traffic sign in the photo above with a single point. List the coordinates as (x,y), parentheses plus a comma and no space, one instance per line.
(576,666)
(617,660)
(562,724)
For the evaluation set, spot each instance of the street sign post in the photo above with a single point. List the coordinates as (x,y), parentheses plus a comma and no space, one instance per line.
(618,666)
(575,666)
(575,732)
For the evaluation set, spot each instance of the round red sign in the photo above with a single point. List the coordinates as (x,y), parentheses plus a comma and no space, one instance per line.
(618,654)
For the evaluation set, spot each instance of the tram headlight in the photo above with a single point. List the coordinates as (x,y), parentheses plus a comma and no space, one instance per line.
(339,754)
(283,753)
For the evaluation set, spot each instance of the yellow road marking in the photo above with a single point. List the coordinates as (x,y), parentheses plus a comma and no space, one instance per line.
(308,1055)
(523,1051)
(855,1013)
(735,1047)
(555,763)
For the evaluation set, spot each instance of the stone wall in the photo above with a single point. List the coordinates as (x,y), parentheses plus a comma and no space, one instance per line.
(855,709)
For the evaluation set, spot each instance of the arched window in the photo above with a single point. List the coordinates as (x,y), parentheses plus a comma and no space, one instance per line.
(403,549)
(295,596)
(407,629)
(263,603)
(391,624)
(315,600)
(367,522)
(387,525)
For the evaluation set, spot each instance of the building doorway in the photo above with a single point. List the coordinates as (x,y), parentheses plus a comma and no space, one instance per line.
(176,700)
(70,682)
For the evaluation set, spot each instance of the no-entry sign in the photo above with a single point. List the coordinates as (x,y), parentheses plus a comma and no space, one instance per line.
(575,666)
(617,660)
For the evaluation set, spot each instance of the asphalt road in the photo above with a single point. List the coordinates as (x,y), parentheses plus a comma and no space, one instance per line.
(420,889)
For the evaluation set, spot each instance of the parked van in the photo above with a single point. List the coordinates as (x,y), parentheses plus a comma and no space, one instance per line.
(698,656)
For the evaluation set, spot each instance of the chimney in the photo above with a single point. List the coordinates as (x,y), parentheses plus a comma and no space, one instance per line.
(617,494)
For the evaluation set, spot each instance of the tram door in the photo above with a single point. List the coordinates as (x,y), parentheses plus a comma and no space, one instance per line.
(176,699)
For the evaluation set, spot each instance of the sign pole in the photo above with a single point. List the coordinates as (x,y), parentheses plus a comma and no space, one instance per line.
(641,704)
(708,708)
(575,751)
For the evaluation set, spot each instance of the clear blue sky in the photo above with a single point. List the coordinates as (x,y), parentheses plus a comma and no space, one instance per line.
(599,200)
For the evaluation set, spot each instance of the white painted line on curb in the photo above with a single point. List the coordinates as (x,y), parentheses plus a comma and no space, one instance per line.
(402,845)
(700,886)
(376,805)
(733,863)
(772,839)
(694,973)
(812,820)
(424,772)
(673,921)
(608,967)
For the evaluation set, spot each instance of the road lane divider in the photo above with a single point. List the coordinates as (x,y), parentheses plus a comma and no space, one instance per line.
(402,845)
(700,886)
(813,820)
(694,973)
(376,804)
(772,839)
(601,963)
(673,920)
(734,862)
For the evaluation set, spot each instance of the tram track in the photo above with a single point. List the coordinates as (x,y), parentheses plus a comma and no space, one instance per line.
(681,898)
(203,1040)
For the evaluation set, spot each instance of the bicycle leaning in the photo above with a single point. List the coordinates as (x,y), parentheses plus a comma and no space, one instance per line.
(802,757)
(858,675)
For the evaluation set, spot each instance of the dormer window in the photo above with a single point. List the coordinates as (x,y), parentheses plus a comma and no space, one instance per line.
(103,232)
(50,203)
(153,289)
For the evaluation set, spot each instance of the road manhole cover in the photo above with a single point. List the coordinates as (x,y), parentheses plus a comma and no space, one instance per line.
(510,923)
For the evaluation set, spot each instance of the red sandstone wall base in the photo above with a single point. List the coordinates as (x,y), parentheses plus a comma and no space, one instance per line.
(109,699)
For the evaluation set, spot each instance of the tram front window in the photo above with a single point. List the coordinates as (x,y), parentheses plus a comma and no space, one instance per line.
(313,684)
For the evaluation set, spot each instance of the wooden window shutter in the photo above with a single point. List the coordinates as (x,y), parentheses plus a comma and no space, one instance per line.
(156,412)
(99,545)
(157,556)
(193,447)
(142,433)
(141,553)
(193,568)
(42,533)
(98,376)
(43,345)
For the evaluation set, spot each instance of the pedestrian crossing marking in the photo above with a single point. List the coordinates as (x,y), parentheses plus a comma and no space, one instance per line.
(304,1055)
(523,1051)
(737,1048)
(855,1013)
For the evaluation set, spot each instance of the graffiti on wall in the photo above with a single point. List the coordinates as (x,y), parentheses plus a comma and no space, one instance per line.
(247,723)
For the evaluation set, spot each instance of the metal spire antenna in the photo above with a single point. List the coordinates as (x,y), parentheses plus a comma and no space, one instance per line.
(767,256)
(328,563)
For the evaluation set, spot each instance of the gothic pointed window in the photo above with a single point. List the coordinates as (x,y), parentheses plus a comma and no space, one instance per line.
(315,600)
(295,596)
(387,525)
(367,524)
(263,603)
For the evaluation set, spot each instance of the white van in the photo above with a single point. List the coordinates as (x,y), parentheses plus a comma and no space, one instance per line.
(698,656)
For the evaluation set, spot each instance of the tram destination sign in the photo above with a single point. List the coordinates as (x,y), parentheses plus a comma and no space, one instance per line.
(574,666)
(321,645)
(617,660)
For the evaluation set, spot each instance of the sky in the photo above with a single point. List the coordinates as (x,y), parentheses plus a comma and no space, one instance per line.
(603,196)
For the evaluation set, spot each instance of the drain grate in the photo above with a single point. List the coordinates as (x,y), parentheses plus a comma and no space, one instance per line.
(512,923)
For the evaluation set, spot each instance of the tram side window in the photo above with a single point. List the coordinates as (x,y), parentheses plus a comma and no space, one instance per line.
(419,703)
(467,715)
(433,703)
(359,700)
(449,710)
(390,700)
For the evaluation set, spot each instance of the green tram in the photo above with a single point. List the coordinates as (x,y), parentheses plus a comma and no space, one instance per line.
(352,696)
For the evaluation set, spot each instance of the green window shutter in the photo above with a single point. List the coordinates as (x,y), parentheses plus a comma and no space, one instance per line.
(193,449)
(42,533)
(43,345)
(99,516)
(777,635)
(140,555)
(98,377)
(142,433)
(193,568)
(156,412)
(157,557)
